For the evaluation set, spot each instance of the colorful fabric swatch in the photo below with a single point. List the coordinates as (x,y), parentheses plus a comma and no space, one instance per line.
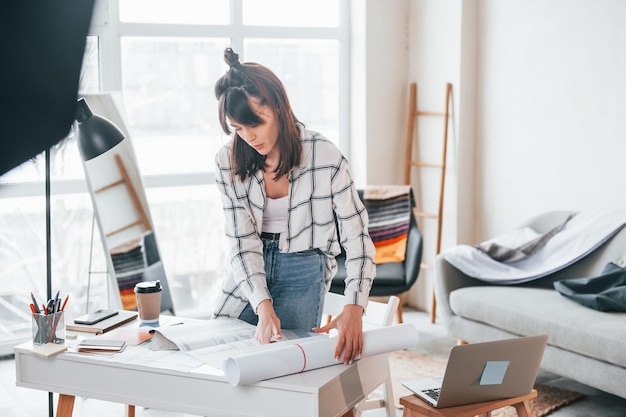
(389,211)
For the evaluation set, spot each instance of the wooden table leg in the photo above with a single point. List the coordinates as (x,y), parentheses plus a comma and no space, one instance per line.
(65,406)
(523,409)
(130,410)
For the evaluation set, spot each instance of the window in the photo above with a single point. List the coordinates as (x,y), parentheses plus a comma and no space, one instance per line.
(188,12)
(165,56)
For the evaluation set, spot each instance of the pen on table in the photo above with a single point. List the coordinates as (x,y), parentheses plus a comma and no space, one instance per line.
(35,303)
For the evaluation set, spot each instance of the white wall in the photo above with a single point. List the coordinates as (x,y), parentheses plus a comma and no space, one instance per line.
(386,63)
(552,106)
(379,65)
(539,118)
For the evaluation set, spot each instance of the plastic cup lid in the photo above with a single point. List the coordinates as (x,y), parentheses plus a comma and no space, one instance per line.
(148,286)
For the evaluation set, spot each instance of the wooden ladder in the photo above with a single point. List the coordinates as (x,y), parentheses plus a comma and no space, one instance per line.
(142,219)
(414,113)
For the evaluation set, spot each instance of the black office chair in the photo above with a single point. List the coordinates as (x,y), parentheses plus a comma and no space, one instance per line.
(393,278)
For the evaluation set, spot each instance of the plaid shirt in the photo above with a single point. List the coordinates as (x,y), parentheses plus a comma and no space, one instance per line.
(319,189)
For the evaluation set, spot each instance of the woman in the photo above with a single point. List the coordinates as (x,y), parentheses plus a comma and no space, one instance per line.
(282,186)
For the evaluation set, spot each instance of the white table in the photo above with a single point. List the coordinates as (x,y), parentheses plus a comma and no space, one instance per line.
(330,391)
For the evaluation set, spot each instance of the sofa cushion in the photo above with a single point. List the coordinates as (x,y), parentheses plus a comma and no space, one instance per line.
(531,311)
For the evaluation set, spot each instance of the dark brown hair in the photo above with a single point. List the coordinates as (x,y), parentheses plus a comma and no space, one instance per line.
(233,92)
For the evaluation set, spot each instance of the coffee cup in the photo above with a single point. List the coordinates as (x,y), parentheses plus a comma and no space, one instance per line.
(148,295)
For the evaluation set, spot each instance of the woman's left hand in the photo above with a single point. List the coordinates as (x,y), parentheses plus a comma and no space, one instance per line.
(349,323)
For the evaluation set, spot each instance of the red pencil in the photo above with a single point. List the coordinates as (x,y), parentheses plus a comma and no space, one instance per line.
(65,302)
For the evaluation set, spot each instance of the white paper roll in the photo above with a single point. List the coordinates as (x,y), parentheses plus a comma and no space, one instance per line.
(293,356)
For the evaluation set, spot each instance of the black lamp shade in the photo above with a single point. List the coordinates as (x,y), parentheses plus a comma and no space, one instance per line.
(95,134)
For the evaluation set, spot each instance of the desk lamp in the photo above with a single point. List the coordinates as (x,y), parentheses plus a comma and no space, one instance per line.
(95,135)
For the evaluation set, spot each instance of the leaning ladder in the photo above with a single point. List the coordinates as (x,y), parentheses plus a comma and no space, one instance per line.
(414,114)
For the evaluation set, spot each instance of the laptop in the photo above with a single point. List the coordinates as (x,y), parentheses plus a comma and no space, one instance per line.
(486,371)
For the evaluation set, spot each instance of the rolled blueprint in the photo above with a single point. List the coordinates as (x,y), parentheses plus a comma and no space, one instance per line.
(299,355)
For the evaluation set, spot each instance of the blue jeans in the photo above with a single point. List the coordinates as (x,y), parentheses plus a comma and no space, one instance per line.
(296,283)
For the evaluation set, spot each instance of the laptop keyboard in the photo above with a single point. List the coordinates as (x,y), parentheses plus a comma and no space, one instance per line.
(432,393)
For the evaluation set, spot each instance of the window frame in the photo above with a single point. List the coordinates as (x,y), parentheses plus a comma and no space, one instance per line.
(107,26)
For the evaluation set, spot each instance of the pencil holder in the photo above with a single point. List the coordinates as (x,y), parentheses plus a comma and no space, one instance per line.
(48,328)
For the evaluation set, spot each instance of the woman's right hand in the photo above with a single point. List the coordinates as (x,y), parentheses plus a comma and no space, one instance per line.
(268,327)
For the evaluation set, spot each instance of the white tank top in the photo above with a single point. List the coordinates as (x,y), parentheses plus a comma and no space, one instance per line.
(275,215)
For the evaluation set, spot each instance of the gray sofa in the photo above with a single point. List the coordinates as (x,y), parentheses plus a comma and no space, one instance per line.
(584,344)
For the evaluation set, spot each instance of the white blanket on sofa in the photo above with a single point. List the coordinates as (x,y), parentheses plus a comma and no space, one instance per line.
(581,235)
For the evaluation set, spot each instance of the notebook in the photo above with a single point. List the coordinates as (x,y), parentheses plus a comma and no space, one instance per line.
(99,344)
(486,371)
(104,326)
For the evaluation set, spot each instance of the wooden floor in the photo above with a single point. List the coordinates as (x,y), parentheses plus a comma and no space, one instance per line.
(23,402)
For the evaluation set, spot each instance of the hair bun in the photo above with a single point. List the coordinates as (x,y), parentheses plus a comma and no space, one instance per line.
(231,57)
